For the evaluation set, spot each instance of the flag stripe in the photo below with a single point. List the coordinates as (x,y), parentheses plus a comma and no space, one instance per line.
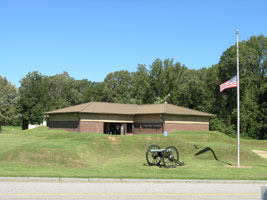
(228,84)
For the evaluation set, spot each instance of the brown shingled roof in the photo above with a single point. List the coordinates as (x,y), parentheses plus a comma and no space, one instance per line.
(129,109)
(99,107)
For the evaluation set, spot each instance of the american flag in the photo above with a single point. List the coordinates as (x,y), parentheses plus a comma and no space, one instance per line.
(228,84)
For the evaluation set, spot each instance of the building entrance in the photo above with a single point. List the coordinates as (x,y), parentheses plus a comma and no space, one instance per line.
(112,128)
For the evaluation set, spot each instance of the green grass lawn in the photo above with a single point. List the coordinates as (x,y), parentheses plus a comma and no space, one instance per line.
(42,152)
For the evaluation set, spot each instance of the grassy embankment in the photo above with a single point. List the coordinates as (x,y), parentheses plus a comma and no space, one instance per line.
(55,153)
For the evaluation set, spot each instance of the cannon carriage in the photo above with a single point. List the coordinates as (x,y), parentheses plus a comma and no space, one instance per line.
(168,157)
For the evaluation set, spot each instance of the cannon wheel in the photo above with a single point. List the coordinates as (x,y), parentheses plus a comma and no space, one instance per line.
(153,158)
(170,157)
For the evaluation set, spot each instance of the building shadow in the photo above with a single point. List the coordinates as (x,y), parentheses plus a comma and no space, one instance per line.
(208,149)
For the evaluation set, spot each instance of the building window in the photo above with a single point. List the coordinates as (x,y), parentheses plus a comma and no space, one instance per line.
(64,124)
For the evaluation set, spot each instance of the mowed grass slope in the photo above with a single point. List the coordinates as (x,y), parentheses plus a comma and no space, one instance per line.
(42,152)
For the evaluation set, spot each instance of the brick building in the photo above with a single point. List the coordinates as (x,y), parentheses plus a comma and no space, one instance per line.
(120,119)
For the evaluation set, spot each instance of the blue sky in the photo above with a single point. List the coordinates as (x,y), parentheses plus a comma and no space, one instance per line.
(89,39)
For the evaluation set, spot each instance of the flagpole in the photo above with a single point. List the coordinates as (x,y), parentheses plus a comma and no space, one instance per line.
(238,103)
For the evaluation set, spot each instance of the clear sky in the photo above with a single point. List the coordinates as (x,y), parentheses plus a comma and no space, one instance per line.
(89,39)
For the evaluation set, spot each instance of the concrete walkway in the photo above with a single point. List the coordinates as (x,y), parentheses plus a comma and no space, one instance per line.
(262,154)
(106,180)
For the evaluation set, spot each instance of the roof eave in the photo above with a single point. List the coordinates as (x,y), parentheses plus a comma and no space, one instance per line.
(202,115)
(48,113)
(106,113)
(149,113)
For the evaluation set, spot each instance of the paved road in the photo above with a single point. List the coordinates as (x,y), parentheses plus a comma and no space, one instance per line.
(128,190)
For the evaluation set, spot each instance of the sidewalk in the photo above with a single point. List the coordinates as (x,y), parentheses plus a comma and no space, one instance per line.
(47,179)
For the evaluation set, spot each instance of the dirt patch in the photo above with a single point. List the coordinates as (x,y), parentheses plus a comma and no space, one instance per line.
(262,154)
(149,138)
(114,140)
(240,167)
(95,144)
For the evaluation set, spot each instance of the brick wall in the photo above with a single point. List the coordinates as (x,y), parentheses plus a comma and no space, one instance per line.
(169,127)
(93,127)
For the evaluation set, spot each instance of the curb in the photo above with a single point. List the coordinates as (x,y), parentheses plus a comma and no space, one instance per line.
(106,180)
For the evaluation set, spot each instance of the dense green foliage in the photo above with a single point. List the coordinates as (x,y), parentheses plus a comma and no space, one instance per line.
(33,98)
(8,103)
(166,81)
(253,87)
(42,152)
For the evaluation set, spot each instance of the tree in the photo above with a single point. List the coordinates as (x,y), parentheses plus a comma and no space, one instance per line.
(157,80)
(33,100)
(63,91)
(117,87)
(253,81)
(89,91)
(141,90)
(8,103)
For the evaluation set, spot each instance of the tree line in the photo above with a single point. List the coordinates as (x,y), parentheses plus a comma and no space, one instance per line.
(163,80)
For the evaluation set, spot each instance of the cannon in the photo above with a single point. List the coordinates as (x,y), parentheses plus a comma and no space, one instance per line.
(169,157)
